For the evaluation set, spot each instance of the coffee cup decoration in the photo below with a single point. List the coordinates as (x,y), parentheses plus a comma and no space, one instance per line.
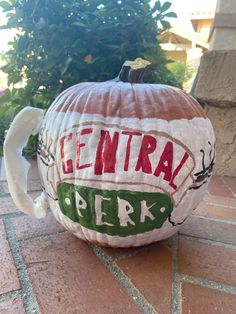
(122,163)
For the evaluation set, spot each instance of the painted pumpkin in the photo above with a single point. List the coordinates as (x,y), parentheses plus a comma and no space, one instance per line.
(124,163)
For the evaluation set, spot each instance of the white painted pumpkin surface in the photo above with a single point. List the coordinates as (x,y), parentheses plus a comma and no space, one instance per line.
(125,164)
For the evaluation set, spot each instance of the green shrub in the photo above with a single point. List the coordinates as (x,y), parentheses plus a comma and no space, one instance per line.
(5,121)
(181,72)
(62,42)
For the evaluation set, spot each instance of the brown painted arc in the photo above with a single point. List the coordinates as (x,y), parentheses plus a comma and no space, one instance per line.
(125,100)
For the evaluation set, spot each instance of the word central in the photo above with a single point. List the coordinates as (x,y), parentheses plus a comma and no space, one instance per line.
(106,151)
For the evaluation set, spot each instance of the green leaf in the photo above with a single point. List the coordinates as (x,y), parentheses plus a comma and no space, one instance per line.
(78,28)
(3,27)
(166,25)
(66,65)
(157,6)
(16,78)
(17,109)
(5,108)
(80,24)
(5,98)
(147,44)
(111,46)
(166,6)
(6,6)
(171,14)
(10,14)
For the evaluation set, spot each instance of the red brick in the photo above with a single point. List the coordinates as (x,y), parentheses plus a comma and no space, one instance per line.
(28,227)
(219,200)
(8,274)
(13,306)
(203,260)
(7,205)
(34,185)
(5,188)
(231,182)
(201,300)
(151,273)
(217,187)
(211,230)
(214,211)
(119,253)
(68,278)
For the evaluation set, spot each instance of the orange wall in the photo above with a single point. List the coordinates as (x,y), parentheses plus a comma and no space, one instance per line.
(203,27)
(176,55)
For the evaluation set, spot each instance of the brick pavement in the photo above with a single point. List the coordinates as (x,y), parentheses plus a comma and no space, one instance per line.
(45,269)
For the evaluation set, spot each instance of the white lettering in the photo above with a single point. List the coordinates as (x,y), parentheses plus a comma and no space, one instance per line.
(124,209)
(80,203)
(98,210)
(145,211)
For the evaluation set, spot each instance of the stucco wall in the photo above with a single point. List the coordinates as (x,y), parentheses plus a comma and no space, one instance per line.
(224,123)
(215,88)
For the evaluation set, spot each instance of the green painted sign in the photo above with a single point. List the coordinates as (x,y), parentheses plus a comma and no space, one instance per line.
(113,212)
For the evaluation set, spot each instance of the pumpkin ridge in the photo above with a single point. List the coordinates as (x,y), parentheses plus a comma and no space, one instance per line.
(102,98)
(194,104)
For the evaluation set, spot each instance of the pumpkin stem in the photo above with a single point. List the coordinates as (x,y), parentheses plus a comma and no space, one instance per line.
(133,71)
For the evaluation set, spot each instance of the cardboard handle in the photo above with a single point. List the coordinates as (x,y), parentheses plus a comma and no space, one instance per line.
(28,121)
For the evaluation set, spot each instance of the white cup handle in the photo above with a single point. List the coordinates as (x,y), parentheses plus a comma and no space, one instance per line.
(28,121)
